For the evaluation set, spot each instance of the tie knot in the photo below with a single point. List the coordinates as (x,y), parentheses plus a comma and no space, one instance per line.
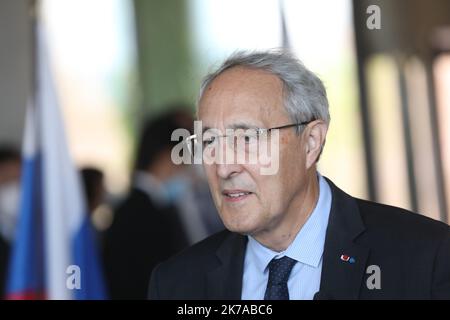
(280,269)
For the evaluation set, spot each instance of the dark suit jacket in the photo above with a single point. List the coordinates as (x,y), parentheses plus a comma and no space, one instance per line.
(412,252)
(4,255)
(141,236)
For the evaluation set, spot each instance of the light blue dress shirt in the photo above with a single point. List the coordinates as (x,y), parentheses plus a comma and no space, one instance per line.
(306,249)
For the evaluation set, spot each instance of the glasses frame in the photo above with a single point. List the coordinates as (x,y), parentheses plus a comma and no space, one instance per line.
(263,130)
(259,132)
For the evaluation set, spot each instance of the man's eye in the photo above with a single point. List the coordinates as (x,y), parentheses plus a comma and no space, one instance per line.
(208,141)
(250,138)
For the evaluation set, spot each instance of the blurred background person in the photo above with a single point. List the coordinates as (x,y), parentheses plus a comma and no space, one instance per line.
(97,199)
(146,228)
(168,207)
(10,168)
(93,186)
(188,191)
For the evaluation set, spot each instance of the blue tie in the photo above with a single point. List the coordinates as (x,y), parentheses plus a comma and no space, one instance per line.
(279,271)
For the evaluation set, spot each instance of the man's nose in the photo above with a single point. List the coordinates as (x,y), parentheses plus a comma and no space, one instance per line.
(228,166)
(226,171)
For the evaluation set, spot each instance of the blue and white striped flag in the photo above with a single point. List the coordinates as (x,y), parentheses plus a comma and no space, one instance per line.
(54,255)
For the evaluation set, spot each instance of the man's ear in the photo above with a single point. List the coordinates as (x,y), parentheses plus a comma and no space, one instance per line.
(316,133)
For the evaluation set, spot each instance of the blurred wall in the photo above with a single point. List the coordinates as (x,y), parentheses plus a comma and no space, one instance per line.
(15,68)
(401,116)
(407,25)
(165,60)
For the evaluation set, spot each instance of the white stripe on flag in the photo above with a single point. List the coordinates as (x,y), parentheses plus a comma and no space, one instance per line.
(64,207)
(29,146)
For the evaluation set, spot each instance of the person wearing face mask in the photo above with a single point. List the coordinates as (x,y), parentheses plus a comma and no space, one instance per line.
(188,191)
(10,166)
(146,227)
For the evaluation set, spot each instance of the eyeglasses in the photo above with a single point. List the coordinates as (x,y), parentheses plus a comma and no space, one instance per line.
(248,138)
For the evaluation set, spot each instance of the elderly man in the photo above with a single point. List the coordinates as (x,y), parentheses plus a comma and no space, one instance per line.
(292,234)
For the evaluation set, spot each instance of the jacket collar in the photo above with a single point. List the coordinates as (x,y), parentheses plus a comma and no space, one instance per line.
(225,281)
(342,279)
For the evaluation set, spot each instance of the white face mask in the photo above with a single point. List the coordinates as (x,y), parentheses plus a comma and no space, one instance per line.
(9,207)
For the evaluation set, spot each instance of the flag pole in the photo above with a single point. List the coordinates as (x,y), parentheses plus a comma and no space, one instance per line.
(286,44)
(33,12)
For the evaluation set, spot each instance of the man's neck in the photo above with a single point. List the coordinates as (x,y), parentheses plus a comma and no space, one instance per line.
(279,238)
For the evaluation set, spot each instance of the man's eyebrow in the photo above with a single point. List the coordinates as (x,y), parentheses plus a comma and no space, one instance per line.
(235,126)
(206,128)
(243,125)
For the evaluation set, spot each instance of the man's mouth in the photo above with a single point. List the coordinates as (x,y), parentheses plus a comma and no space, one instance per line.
(236,195)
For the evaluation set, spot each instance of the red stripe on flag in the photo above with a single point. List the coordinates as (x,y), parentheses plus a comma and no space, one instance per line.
(27,295)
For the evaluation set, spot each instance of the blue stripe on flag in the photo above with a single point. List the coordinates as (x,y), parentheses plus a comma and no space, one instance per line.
(26,268)
(86,257)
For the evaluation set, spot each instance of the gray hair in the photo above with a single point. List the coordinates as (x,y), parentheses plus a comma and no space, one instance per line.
(305,97)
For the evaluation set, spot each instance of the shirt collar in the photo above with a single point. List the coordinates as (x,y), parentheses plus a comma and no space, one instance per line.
(308,244)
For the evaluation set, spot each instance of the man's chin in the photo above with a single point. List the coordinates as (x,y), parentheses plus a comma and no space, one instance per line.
(243,229)
(241,221)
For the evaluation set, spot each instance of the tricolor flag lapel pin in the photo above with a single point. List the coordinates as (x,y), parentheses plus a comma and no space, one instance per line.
(347,258)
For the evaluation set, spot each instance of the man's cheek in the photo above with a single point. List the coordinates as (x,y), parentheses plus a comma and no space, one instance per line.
(269,155)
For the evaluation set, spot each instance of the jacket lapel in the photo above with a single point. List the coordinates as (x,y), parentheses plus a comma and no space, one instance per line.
(225,281)
(342,279)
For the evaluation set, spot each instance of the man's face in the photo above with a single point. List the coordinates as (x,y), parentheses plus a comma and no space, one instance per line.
(9,171)
(242,97)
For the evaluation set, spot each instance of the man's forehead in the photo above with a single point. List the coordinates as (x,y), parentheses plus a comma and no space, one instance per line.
(244,78)
(240,94)
(242,118)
